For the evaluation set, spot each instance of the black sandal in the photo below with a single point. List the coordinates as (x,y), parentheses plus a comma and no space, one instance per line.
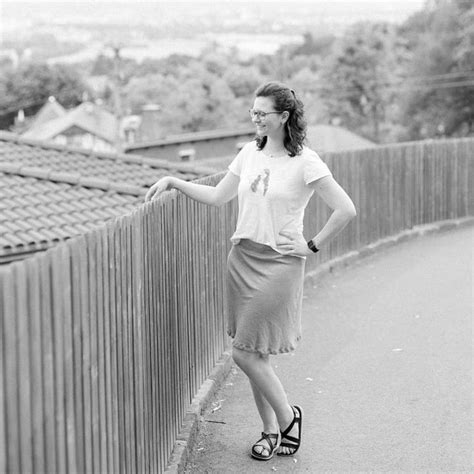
(288,441)
(272,447)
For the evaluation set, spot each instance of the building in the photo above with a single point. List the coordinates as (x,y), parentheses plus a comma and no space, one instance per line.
(194,146)
(87,126)
(321,138)
(49,193)
(51,110)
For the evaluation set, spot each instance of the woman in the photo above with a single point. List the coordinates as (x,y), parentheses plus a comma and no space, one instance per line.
(274,177)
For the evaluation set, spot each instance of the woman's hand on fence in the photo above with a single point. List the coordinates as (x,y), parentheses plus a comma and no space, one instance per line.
(159,187)
(294,244)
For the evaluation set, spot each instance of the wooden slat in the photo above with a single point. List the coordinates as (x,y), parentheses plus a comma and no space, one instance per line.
(76,277)
(49,425)
(127,353)
(106,396)
(23,381)
(59,349)
(85,322)
(121,396)
(3,379)
(93,342)
(66,277)
(160,309)
(36,363)
(138,339)
(114,442)
(10,364)
(101,343)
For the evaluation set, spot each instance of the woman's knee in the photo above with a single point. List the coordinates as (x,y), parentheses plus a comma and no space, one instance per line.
(245,358)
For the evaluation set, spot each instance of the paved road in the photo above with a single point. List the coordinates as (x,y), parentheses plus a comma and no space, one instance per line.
(384,372)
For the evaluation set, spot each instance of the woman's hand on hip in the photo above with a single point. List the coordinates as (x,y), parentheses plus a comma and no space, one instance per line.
(294,244)
(159,187)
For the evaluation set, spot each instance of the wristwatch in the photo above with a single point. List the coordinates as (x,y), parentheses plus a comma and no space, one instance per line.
(312,247)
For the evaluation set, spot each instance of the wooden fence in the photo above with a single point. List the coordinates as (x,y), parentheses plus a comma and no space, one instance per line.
(106,338)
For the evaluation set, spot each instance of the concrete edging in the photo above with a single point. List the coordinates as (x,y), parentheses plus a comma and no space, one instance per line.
(188,434)
(386,242)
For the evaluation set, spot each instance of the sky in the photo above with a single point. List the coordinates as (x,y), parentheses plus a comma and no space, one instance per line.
(342,11)
(404,4)
(397,2)
(403,7)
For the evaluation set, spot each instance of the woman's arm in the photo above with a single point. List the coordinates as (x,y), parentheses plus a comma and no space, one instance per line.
(338,200)
(343,211)
(218,195)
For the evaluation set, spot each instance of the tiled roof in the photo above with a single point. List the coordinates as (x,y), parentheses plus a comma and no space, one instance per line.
(49,193)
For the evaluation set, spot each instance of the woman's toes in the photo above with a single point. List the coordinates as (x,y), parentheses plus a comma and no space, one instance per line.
(259,449)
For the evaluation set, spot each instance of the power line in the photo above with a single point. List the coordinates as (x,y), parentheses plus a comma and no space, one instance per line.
(447,85)
(435,77)
(402,86)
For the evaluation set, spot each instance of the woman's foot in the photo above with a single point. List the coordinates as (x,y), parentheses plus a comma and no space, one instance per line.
(266,446)
(291,437)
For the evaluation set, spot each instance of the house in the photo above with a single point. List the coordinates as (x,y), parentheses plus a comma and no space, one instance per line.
(49,193)
(51,110)
(321,138)
(88,126)
(194,146)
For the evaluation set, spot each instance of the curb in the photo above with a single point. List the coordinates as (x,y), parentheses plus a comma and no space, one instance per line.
(382,244)
(190,429)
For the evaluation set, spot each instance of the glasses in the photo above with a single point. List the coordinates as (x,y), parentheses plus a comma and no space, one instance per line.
(259,114)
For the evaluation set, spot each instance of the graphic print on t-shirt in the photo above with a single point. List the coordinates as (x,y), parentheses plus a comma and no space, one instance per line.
(265,181)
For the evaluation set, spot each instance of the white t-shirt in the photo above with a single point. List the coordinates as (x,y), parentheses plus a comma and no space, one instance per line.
(273,193)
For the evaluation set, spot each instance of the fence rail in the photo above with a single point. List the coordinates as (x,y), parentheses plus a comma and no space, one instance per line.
(107,337)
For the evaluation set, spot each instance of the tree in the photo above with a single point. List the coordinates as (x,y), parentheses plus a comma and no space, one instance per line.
(356,75)
(191,100)
(30,86)
(440,101)
(243,80)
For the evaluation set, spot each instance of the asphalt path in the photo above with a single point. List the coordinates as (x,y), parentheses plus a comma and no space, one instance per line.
(384,372)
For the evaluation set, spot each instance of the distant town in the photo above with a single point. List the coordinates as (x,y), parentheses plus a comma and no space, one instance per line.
(79,31)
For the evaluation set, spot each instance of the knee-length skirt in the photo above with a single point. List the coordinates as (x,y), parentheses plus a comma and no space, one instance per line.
(264,298)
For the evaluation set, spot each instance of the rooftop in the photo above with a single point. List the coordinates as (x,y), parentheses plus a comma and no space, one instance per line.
(51,110)
(49,193)
(87,116)
(329,138)
(192,137)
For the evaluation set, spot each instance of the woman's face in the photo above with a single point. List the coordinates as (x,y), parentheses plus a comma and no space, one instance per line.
(272,123)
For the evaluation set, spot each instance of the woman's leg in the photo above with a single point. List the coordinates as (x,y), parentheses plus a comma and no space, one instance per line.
(265,410)
(268,390)
(270,423)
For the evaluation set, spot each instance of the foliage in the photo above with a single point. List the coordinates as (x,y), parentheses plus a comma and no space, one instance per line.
(443,54)
(193,99)
(356,76)
(32,84)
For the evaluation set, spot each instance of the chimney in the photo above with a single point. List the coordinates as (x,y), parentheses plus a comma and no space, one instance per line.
(149,128)
(21,116)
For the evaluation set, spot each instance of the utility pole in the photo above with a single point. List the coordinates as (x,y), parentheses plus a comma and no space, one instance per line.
(117,83)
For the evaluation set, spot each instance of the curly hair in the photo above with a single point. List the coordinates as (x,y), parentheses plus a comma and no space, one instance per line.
(285,99)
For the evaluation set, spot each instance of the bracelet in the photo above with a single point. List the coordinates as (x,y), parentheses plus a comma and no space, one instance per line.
(312,247)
